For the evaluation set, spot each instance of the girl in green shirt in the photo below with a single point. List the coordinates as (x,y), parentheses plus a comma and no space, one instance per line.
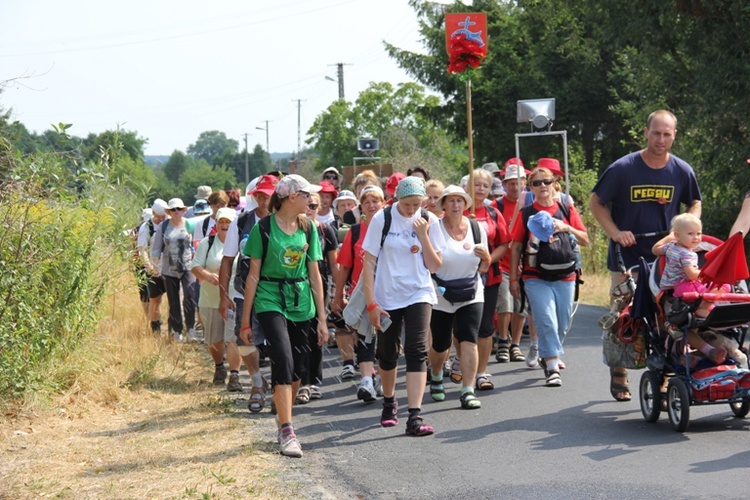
(285,288)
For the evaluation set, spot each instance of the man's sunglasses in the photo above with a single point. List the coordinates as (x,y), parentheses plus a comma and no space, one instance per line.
(312,206)
(539,182)
(331,176)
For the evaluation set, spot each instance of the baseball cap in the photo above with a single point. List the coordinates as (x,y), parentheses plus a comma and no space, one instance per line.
(327,187)
(393,181)
(514,172)
(266,185)
(541,225)
(293,183)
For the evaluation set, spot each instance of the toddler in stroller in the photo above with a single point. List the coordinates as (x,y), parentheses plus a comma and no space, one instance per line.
(681,275)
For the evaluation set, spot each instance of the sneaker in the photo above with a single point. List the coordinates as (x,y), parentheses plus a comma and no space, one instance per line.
(289,445)
(332,338)
(378,384)
(553,379)
(220,375)
(192,336)
(177,336)
(389,417)
(234,384)
(348,372)
(366,392)
(532,360)
(415,426)
(447,369)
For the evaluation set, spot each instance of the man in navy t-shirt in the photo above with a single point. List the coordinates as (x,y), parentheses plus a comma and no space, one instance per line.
(640,193)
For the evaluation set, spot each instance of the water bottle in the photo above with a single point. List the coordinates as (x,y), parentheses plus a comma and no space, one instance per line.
(532,249)
(640,350)
(230,314)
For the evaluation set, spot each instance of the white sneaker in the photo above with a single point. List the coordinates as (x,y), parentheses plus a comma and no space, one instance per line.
(177,336)
(192,336)
(289,446)
(348,372)
(366,392)
(532,360)
(378,384)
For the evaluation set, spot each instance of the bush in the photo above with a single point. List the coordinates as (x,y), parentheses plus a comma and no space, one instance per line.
(62,233)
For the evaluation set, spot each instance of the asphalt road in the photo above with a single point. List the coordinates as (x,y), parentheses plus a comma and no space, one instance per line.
(527,440)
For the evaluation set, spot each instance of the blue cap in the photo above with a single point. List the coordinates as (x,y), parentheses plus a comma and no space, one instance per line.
(541,225)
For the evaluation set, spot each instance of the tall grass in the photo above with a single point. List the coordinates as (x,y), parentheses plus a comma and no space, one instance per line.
(61,244)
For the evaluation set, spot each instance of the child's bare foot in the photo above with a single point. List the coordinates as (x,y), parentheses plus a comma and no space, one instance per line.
(718,355)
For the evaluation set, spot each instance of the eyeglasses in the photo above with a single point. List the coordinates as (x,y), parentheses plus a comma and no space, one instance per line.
(331,176)
(175,209)
(303,194)
(312,206)
(539,182)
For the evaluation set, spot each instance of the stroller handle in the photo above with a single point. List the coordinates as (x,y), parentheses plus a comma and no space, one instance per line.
(637,236)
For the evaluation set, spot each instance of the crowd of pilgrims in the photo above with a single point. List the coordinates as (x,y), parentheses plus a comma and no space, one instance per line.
(445,276)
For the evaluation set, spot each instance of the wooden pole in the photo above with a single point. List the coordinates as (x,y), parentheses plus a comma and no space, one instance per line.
(471,142)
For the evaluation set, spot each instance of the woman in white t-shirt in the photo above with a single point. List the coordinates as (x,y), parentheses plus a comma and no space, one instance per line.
(401,292)
(460,294)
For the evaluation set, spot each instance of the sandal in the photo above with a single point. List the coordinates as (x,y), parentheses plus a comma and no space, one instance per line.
(315,392)
(553,379)
(469,401)
(483,383)
(619,391)
(303,396)
(437,391)
(257,400)
(415,426)
(455,374)
(389,417)
(515,354)
(503,351)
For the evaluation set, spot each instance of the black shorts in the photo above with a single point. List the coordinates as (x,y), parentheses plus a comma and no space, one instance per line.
(156,287)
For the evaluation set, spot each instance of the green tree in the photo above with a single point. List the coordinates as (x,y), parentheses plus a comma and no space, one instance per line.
(259,162)
(176,165)
(117,142)
(212,144)
(200,173)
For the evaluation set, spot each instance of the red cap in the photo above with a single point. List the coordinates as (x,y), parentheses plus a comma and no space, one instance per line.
(514,161)
(552,165)
(393,181)
(328,188)
(266,185)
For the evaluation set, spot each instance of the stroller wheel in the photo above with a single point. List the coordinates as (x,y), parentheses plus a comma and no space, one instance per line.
(740,410)
(678,404)
(649,394)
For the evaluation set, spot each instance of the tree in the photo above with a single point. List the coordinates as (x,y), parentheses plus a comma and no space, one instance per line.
(212,144)
(259,162)
(200,173)
(176,165)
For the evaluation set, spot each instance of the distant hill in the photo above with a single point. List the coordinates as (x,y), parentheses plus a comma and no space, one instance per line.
(155,160)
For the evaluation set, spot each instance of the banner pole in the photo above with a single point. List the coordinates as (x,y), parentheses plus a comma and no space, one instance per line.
(471,142)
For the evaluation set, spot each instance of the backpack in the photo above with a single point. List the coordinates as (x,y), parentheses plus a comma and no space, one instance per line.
(245,224)
(494,215)
(554,260)
(387,218)
(206,221)
(265,231)
(462,289)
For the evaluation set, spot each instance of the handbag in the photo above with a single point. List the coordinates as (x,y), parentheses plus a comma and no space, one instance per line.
(458,290)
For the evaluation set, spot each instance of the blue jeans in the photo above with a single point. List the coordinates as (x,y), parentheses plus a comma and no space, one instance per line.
(551,305)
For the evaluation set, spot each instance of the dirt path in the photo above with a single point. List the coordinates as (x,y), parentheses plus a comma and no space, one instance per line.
(178,438)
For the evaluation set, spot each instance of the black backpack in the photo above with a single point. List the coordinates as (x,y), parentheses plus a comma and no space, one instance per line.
(245,224)
(553,260)
(387,218)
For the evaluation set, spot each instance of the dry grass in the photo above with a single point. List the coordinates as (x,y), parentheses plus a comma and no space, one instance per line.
(595,290)
(139,419)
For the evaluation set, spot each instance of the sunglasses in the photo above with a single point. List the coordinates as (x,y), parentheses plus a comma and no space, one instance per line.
(539,182)
(303,194)
(312,206)
(175,209)
(330,176)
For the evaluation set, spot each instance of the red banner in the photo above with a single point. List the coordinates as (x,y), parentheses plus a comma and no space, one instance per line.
(465,40)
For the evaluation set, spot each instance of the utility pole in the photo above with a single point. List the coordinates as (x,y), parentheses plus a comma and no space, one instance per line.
(268,149)
(247,164)
(299,125)
(340,76)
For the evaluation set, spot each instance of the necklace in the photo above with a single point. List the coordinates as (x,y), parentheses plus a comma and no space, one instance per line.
(453,231)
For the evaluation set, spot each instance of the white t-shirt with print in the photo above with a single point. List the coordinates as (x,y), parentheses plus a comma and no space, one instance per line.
(459,262)
(210,261)
(402,279)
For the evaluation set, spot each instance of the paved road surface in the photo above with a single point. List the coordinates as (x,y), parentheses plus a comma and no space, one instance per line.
(527,440)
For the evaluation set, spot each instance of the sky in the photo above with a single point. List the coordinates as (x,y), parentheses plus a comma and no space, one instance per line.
(170,70)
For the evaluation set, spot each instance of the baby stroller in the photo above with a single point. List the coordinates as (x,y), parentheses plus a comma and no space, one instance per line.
(673,380)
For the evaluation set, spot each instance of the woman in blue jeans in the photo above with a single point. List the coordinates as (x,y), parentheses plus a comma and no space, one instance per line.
(546,223)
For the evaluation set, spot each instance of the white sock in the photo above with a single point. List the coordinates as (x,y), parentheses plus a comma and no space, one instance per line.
(366,380)
(552,365)
(257,379)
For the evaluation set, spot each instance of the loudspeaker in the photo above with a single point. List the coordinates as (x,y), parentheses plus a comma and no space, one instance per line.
(368,145)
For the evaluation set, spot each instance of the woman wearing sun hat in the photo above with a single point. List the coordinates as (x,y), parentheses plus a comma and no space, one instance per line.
(401,291)
(550,297)
(465,256)
(285,288)
(172,244)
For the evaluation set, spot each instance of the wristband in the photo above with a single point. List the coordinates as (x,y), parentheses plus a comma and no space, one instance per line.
(245,328)
(514,280)
(372,306)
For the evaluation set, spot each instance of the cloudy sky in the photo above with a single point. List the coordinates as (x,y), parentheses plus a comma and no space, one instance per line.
(173,69)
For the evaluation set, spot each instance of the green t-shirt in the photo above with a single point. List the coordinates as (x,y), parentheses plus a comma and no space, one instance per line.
(285,259)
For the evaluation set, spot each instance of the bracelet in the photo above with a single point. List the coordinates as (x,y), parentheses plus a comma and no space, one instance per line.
(372,306)
(514,280)
(245,328)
